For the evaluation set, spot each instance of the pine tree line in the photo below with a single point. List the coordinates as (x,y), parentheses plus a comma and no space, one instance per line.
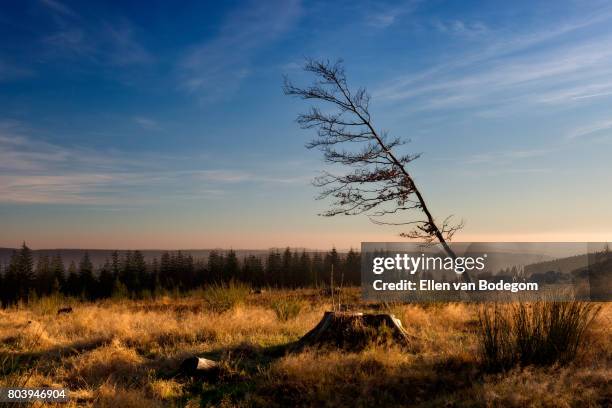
(127,274)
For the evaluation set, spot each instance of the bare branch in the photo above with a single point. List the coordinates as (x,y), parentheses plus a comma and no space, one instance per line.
(379,183)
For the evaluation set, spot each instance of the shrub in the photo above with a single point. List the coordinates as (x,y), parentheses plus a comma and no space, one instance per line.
(550,332)
(286,308)
(223,297)
(540,333)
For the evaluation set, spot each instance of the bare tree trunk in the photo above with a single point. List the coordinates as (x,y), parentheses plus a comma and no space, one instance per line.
(379,177)
(435,230)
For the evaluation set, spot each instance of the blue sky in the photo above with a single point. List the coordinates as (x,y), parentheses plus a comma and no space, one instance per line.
(160,125)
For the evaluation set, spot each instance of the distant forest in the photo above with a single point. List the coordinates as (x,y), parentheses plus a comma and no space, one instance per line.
(128,274)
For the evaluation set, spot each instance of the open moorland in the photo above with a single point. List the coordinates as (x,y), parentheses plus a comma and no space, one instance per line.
(126,353)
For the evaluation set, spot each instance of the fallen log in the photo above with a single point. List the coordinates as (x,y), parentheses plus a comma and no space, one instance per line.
(354,331)
(200,367)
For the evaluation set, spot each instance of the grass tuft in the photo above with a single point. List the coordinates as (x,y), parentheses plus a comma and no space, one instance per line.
(539,333)
(223,297)
(286,308)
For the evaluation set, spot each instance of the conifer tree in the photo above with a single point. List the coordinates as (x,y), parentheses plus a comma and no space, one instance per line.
(73,287)
(274,268)
(293,275)
(86,276)
(106,281)
(304,268)
(165,272)
(317,269)
(215,266)
(44,276)
(128,274)
(231,267)
(140,271)
(190,273)
(286,267)
(253,271)
(115,264)
(25,272)
(155,277)
(352,268)
(58,272)
(332,260)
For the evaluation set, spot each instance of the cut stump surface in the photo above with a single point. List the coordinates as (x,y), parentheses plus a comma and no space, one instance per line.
(354,331)
(200,367)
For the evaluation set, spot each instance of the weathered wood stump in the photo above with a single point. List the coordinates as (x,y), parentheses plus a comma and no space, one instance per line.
(354,331)
(200,367)
(64,310)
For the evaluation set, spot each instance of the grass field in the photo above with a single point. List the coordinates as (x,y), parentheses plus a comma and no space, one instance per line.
(126,353)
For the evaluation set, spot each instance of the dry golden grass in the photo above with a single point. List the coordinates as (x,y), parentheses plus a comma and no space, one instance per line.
(126,354)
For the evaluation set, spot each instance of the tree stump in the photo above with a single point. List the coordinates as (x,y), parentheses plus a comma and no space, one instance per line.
(354,331)
(200,367)
(65,310)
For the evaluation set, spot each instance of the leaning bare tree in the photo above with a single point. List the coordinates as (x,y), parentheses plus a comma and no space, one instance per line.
(379,183)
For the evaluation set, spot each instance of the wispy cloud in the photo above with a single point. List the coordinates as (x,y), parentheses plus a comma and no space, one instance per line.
(590,129)
(459,27)
(506,157)
(59,7)
(384,16)
(547,73)
(122,48)
(70,41)
(100,41)
(514,68)
(9,72)
(147,123)
(234,176)
(34,171)
(109,44)
(216,67)
(73,189)
(381,16)
(599,87)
